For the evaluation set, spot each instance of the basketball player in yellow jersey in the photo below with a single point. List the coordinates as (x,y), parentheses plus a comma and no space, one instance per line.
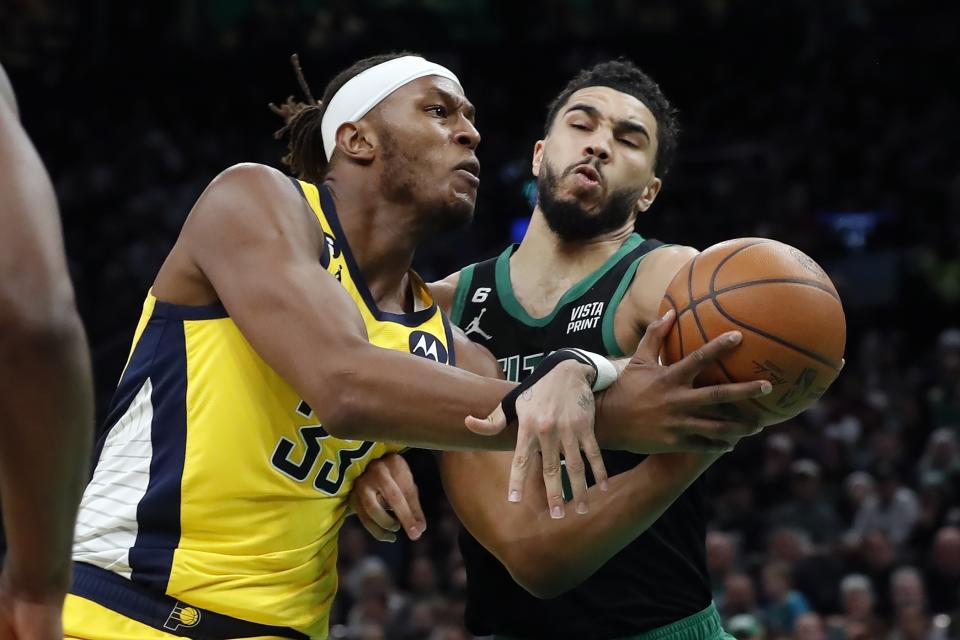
(284,343)
(46,395)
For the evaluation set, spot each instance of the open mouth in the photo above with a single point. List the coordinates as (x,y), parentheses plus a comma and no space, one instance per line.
(588,175)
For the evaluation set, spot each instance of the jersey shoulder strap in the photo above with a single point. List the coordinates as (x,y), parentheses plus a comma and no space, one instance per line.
(477,283)
(623,274)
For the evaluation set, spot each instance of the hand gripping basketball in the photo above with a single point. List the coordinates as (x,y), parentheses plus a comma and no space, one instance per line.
(784,304)
(665,412)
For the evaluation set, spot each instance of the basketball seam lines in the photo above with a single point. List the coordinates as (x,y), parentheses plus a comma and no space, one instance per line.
(813,284)
(703,334)
(677,320)
(714,298)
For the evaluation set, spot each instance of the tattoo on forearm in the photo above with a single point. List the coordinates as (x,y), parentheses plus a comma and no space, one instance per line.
(586,401)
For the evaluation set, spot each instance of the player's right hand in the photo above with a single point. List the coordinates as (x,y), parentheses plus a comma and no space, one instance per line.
(385,498)
(661,411)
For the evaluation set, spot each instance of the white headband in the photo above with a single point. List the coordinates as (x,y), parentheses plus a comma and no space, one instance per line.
(366,90)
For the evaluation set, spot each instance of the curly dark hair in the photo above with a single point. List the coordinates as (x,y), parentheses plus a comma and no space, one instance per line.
(624,76)
(305,153)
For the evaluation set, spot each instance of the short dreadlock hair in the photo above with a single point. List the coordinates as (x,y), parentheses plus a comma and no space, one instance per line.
(305,153)
(624,76)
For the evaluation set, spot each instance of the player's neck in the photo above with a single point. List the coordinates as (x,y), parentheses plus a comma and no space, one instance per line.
(543,251)
(383,239)
(544,267)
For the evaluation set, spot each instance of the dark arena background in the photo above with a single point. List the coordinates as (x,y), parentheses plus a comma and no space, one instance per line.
(831,125)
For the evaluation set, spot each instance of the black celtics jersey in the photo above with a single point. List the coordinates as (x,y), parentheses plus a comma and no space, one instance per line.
(661,576)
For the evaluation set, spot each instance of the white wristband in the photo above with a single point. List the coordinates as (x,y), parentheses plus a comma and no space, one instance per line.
(606,372)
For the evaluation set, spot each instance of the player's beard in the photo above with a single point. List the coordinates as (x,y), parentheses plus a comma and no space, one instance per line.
(571,221)
(401,184)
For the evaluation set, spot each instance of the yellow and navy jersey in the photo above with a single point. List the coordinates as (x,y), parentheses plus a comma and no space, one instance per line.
(214,482)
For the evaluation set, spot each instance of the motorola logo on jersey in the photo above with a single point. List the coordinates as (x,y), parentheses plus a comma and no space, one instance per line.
(427,346)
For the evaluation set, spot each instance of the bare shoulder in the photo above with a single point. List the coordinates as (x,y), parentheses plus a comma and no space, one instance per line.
(249,202)
(247,189)
(249,210)
(444,290)
(474,357)
(667,260)
(641,305)
(652,278)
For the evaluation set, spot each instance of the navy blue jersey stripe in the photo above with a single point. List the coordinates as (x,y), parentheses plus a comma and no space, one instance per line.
(413,319)
(448,332)
(158,514)
(136,373)
(189,312)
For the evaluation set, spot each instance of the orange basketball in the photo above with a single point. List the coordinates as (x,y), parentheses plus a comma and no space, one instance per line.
(793,325)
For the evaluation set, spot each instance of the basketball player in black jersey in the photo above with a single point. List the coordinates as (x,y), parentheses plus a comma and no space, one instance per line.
(46,393)
(581,277)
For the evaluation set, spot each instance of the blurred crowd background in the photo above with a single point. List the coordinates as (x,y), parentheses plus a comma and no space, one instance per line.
(828,124)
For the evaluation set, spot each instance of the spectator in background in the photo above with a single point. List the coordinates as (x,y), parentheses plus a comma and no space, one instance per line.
(417,620)
(885,446)
(368,632)
(857,600)
(789,544)
(907,589)
(721,559)
(943,398)
(807,510)
(456,573)
(912,622)
(809,626)
(784,604)
(367,617)
(877,558)
(353,545)
(745,627)
(448,632)
(815,573)
(422,577)
(940,464)
(858,487)
(774,482)
(943,571)
(376,600)
(736,511)
(938,507)
(894,509)
(739,597)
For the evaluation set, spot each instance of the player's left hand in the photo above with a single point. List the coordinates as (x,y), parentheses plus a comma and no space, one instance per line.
(29,617)
(555,414)
(385,498)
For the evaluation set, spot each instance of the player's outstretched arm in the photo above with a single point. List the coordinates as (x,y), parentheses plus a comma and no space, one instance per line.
(46,394)
(254,240)
(651,409)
